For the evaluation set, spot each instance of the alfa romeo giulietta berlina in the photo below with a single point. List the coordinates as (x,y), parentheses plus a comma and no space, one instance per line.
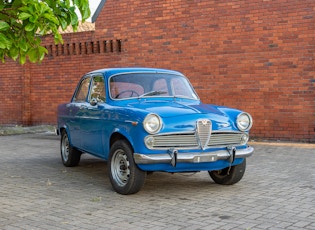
(143,120)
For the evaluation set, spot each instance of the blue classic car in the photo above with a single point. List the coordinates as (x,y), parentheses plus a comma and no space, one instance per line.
(143,120)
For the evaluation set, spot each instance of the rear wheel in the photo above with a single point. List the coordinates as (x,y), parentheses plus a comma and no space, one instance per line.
(229,176)
(70,156)
(125,177)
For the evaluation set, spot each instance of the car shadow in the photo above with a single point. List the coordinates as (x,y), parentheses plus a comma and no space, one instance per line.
(93,172)
(161,181)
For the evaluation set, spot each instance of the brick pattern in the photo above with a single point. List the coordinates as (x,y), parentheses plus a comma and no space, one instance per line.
(84,48)
(11,87)
(254,55)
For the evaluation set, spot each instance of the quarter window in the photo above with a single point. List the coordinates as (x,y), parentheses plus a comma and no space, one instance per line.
(83,90)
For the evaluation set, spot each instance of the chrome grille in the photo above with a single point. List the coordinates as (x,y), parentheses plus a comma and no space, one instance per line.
(176,140)
(203,132)
(219,139)
(190,140)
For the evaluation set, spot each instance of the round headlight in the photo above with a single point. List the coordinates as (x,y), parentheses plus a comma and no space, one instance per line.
(244,121)
(152,123)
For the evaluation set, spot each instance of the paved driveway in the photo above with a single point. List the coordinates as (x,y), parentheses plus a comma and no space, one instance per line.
(38,192)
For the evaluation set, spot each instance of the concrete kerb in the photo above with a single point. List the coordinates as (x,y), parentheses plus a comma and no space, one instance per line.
(16,130)
(283,144)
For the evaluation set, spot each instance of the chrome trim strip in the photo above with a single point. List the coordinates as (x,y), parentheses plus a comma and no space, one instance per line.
(192,157)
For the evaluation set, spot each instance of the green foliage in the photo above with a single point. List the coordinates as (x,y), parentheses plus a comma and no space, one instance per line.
(23,22)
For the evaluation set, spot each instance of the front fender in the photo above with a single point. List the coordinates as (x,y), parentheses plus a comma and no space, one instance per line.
(133,134)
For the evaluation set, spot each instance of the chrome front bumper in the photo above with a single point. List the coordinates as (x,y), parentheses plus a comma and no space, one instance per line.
(193,157)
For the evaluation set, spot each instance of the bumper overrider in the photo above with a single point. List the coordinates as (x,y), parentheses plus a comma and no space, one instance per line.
(173,157)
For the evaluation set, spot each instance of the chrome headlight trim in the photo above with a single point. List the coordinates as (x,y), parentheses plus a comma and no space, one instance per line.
(244,121)
(152,123)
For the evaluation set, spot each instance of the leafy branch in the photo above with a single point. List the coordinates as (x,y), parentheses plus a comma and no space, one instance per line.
(23,22)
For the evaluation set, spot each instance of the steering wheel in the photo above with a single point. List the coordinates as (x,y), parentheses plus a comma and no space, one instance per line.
(132,92)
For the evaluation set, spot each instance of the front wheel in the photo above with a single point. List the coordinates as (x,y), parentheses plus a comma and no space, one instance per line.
(229,176)
(70,156)
(125,177)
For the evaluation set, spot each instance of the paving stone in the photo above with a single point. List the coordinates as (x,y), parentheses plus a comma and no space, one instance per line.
(38,192)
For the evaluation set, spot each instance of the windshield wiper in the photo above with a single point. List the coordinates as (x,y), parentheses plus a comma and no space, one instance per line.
(152,93)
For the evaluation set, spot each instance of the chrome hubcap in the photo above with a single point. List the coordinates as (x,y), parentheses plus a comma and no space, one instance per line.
(65,148)
(120,168)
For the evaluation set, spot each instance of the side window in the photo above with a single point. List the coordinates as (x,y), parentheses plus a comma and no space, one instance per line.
(82,91)
(98,89)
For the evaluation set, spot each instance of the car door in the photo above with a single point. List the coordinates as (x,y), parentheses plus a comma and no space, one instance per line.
(93,122)
(77,110)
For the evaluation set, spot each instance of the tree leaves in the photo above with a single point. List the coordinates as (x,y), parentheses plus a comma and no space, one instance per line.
(22,22)
(5,43)
(30,26)
(14,53)
(4,26)
(22,16)
(32,54)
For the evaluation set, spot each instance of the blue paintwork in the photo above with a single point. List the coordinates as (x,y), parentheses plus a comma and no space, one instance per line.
(190,167)
(90,128)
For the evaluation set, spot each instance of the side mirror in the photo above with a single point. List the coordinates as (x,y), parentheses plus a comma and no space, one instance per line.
(93,101)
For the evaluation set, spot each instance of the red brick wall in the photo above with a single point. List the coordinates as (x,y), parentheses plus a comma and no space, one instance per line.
(11,93)
(254,55)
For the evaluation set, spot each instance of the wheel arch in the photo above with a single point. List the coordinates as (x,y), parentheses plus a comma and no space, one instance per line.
(119,136)
(65,128)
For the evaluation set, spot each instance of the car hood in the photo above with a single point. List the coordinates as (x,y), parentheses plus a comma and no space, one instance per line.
(166,109)
(176,113)
(178,108)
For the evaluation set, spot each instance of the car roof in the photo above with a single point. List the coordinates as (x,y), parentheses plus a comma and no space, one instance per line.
(112,71)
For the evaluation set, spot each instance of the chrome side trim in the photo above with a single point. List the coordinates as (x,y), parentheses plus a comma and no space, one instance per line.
(192,157)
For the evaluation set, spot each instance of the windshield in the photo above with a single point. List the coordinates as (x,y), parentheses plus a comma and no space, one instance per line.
(140,85)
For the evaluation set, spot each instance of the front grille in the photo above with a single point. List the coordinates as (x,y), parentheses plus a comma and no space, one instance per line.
(190,140)
(203,132)
(175,140)
(219,139)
